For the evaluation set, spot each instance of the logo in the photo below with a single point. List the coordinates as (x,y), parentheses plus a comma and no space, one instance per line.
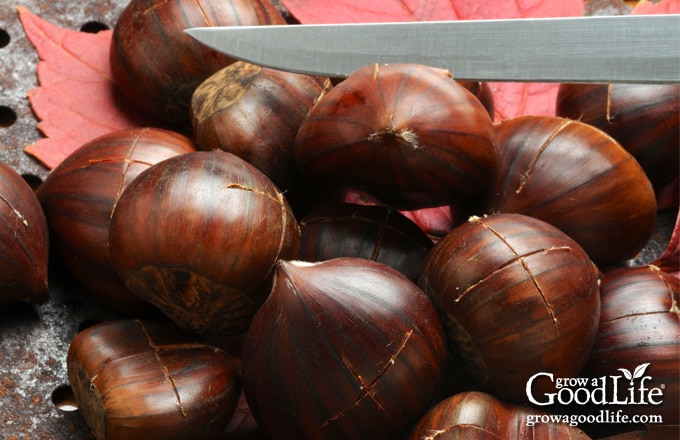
(629,388)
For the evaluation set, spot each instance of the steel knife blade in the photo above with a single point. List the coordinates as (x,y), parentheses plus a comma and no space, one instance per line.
(591,49)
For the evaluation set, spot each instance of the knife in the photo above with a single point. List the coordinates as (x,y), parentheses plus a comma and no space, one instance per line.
(592,49)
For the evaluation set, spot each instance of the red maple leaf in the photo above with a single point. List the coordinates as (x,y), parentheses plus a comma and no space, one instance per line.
(347,11)
(76,100)
(510,99)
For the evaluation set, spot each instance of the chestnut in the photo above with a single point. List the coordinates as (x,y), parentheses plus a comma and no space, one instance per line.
(577,178)
(78,197)
(198,235)
(643,118)
(479,415)
(639,332)
(344,348)
(406,133)
(378,233)
(157,66)
(24,241)
(480,89)
(518,297)
(255,113)
(242,425)
(483,92)
(137,379)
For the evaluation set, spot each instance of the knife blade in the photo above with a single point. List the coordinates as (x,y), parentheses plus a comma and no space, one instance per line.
(592,49)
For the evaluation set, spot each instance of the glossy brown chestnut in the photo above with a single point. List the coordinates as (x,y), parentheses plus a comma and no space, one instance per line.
(255,113)
(517,297)
(639,332)
(198,235)
(78,198)
(157,66)
(149,380)
(482,91)
(643,118)
(377,233)
(406,133)
(475,415)
(24,241)
(577,178)
(346,348)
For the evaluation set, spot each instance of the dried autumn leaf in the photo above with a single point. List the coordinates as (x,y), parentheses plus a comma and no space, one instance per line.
(511,99)
(76,100)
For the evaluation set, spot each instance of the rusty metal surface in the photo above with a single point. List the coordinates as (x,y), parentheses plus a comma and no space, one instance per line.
(34,339)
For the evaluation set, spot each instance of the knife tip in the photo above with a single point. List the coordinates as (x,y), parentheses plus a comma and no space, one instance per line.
(191,31)
(202,35)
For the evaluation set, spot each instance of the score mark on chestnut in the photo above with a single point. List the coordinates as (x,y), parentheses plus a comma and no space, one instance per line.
(518,296)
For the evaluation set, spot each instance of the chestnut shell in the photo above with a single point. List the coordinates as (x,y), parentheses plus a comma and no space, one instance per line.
(345,348)
(517,297)
(145,379)
(378,233)
(157,66)
(199,235)
(483,92)
(577,178)
(406,133)
(24,241)
(254,113)
(639,324)
(78,197)
(478,415)
(643,118)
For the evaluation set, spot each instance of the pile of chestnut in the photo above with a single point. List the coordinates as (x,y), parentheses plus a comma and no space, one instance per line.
(263,303)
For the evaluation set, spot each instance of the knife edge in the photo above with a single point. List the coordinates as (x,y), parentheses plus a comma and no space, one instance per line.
(632,49)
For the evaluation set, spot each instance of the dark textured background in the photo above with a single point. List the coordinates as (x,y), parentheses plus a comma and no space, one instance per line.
(34,339)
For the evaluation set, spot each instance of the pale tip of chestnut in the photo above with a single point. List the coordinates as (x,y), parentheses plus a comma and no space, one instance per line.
(298,263)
